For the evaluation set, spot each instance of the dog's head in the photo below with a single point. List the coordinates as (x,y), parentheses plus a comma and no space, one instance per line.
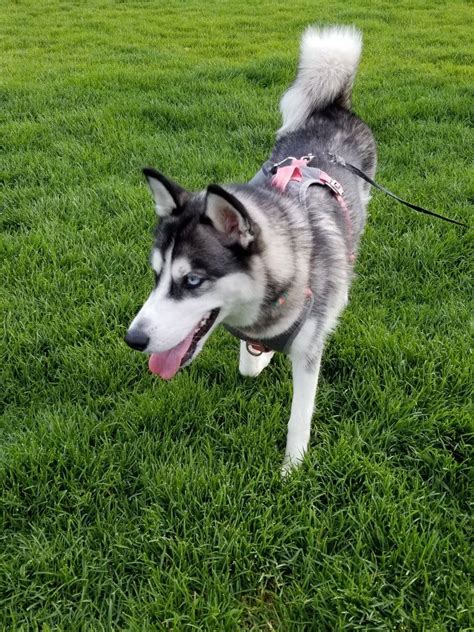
(202,257)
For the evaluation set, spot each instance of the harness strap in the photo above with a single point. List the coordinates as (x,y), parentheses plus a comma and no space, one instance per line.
(322,178)
(298,171)
(292,171)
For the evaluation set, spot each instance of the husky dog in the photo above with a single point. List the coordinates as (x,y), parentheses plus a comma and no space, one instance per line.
(272,259)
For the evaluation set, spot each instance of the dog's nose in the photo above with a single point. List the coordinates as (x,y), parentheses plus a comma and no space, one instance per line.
(137,339)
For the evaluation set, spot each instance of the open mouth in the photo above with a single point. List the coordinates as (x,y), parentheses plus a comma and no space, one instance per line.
(167,363)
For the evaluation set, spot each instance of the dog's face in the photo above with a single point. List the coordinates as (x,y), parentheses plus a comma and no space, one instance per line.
(202,260)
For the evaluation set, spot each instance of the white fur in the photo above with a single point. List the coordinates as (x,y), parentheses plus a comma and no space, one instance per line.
(164,203)
(278,250)
(180,268)
(328,63)
(167,322)
(280,258)
(305,381)
(251,365)
(156,261)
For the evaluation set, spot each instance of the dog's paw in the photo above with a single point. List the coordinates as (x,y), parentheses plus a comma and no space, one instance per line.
(251,366)
(290,464)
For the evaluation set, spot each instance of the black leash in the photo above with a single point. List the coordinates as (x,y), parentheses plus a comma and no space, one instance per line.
(340,161)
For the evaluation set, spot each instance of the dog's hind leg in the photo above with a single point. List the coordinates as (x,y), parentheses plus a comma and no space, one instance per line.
(251,365)
(305,381)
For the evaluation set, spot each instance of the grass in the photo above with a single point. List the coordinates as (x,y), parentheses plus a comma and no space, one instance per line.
(131,504)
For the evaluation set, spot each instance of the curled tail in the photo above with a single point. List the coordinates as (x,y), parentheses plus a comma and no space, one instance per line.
(327,67)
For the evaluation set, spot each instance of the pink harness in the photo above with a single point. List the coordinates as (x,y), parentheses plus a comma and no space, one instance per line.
(290,172)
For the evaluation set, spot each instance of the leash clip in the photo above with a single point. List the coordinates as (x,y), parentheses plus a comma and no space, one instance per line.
(276,165)
(338,160)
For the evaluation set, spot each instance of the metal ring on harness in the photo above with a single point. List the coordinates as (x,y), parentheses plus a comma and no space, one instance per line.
(254,350)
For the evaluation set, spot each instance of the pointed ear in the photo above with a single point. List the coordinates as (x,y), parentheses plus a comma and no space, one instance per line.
(229,216)
(168,195)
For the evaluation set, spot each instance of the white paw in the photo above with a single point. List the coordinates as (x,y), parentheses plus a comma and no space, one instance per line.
(250,365)
(291,463)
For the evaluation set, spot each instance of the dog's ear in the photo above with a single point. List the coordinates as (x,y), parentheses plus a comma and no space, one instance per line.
(229,216)
(169,196)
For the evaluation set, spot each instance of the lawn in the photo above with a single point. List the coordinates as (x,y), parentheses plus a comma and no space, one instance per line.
(134,504)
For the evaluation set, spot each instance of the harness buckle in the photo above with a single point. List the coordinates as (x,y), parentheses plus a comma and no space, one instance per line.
(336,187)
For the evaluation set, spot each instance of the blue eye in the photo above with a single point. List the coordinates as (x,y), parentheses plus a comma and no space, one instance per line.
(192,281)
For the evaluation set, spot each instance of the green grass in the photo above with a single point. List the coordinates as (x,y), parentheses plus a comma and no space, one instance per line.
(133,504)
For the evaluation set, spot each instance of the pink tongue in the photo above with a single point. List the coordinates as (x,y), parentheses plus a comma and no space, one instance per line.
(167,363)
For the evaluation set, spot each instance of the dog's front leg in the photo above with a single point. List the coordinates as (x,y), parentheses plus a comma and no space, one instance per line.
(251,365)
(305,381)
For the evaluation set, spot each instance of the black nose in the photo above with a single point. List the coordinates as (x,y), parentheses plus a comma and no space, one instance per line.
(137,339)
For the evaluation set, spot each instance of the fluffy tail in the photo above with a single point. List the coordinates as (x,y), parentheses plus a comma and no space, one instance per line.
(327,67)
